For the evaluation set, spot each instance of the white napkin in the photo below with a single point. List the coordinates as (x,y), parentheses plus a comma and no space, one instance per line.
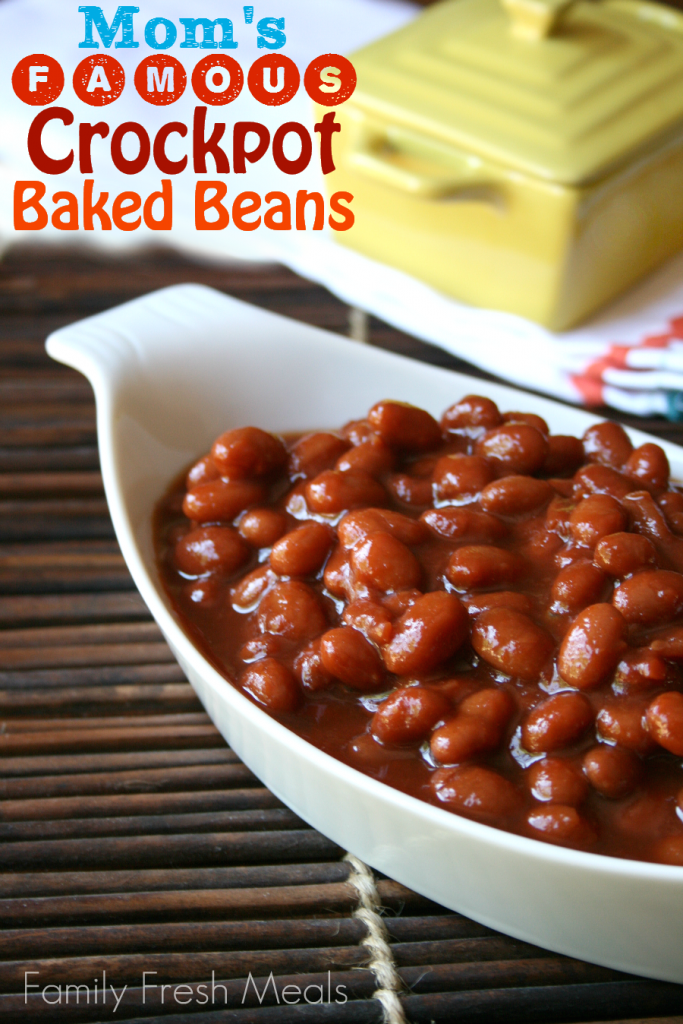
(630,356)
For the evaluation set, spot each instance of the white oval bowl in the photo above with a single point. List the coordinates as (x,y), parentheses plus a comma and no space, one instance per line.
(175,368)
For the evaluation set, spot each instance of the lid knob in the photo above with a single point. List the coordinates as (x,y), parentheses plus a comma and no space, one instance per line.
(534,19)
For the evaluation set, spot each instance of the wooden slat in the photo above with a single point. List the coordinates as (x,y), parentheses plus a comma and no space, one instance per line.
(48,483)
(35,608)
(278,900)
(102,675)
(21,943)
(67,764)
(86,654)
(51,810)
(101,633)
(28,459)
(12,726)
(180,696)
(151,824)
(69,883)
(187,777)
(123,738)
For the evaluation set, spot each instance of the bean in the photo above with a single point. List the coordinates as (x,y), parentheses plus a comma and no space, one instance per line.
(595,517)
(205,593)
(471,411)
(357,431)
(356,526)
(303,551)
(462,738)
(612,771)
(295,501)
(265,646)
(669,850)
(559,823)
(592,647)
(383,562)
(476,791)
(411,490)
(672,504)
(373,456)
(665,721)
(309,668)
(460,476)
(511,642)
(642,669)
(620,554)
(426,634)
(514,448)
(314,453)
(537,544)
(476,565)
(261,527)
(500,599)
(272,685)
(478,727)
(649,466)
(648,519)
(648,816)
(464,524)
(515,495)
(599,479)
(456,687)
(210,549)
(563,488)
(202,471)
(349,657)
(332,492)
(337,574)
(530,418)
(623,723)
(291,609)
(372,619)
(221,500)
(405,426)
(398,604)
(576,586)
(650,597)
(607,443)
(568,555)
(564,456)
(247,452)
(557,780)
(557,722)
(424,465)
(668,643)
(492,704)
(408,715)
(250,589)
(558,516)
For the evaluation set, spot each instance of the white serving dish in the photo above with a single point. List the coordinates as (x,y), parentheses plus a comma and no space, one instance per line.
(175,368)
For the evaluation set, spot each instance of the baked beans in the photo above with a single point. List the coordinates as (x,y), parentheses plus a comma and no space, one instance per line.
(474,610)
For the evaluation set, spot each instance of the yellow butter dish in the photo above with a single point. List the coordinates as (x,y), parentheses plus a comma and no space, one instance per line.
(523,155)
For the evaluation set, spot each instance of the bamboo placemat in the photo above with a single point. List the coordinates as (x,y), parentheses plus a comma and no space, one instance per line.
(132,839)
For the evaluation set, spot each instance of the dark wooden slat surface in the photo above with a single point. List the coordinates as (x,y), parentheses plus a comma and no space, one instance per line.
(131,838)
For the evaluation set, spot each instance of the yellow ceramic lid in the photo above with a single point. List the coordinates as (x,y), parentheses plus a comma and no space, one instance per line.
(564,90)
